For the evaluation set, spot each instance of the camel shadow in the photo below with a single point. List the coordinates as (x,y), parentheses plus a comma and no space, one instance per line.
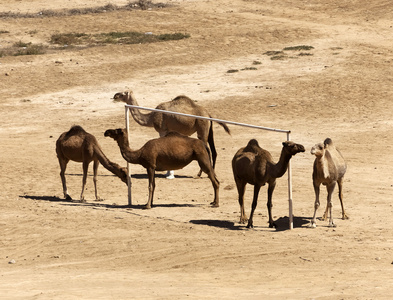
(144,176)
(71,202)
(217,223)
(282,223)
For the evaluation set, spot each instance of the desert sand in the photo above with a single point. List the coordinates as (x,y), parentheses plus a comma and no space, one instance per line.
(182,248)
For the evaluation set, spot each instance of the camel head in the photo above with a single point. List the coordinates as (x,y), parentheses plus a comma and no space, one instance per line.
(123,175)
(116,134)
(122,97)
(318,149)
(292,148)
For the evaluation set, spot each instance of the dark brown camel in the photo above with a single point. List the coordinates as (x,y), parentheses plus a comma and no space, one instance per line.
(255,166)
(80,146)
(171,152)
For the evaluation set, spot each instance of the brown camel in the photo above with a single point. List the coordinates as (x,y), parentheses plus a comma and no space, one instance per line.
(329,169)
(80,146)
(254,165)
(164,123)
(171,152)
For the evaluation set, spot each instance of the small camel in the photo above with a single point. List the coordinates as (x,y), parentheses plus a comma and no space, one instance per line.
(329,169)
(81,146)
(254,165)
(164,123)
(171,152)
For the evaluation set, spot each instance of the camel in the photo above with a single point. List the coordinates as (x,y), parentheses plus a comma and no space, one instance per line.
(254,165)
(80,146)
(164,123)
(171,152)
(329,169)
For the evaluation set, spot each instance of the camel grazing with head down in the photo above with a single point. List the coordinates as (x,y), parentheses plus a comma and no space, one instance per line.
(80,146)
(171,152)
(329,169)
(254,165)
(164,123)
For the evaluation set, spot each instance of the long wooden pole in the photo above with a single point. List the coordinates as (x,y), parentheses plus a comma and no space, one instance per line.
(129,184)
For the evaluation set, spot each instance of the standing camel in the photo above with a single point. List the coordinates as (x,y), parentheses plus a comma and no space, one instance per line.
(81,146)
(254,165)
(329,169)
(164,123)
(171,152)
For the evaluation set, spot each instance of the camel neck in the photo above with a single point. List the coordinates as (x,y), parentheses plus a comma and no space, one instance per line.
(279,169)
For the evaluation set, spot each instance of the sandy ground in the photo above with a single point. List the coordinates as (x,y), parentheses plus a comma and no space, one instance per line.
(51,248)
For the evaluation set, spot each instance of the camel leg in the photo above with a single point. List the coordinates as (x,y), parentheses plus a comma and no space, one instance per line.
(152,186)
(340,195)
(241,188)
(212,146)
(253,206)
(216,186)
(63,166)
(316,205)
(330,189)
(95,171)
(270,204)
(325,214)
(208,138)
(85,169)
(205,165)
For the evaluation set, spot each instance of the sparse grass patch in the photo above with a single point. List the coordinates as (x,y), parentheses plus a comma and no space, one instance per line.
(278,57)
(281,55)
(4,31)
(249,68)
(232,71)
(141,4)
(256,62)
(113,38)
(298,48)
(31,50)
(273,53)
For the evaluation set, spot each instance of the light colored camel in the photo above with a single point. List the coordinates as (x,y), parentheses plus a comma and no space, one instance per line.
(254,165)
(329,169)
(164,123)
(171,152)
(80,146)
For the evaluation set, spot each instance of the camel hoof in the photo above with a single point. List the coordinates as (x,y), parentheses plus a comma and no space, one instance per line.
(147,207)
(332,225)
(170,175)
(250,225)
(345,217)
(68,197)
(312,225)
(99,199)
(214,204)
(272,225)
(243,221)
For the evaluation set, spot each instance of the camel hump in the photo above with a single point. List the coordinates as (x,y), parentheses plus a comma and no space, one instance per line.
(76,129)
(252,146)
(328,142)
(174,133)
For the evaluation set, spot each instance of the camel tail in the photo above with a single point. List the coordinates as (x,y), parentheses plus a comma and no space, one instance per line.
(225,127)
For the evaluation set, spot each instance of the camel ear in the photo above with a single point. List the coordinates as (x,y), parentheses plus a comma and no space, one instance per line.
(285,144)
